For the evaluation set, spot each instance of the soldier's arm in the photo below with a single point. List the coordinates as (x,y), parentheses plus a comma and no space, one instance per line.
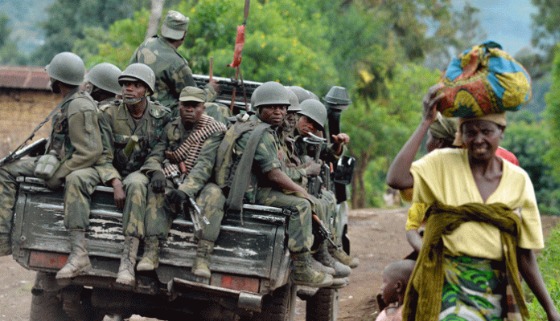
(282,181)
(202,170)
(156,157)
(105,167)
(85,137)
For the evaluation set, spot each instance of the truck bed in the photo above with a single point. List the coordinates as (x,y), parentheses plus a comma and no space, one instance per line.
(250,250)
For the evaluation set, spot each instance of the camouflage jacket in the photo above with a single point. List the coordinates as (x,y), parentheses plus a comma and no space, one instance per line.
(174,135)
(171,69)
(75,135)
(118,127)
(218,111)
(266,156)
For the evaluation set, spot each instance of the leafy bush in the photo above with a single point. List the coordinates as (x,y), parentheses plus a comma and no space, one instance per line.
(549,260)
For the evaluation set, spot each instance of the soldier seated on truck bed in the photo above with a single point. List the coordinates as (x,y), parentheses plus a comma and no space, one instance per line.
(133,127)
(248,168)
(75,144)
(185,156)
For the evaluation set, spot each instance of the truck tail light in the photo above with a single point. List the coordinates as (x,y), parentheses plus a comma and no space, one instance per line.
(235,282)
(48,260)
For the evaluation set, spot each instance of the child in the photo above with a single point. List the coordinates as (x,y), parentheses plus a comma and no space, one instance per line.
(395,280)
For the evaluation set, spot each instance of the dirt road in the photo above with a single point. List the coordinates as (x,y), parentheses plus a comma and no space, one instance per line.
(377,238)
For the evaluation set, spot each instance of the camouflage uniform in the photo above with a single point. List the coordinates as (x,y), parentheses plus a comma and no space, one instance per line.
(171,69)
(211,199)
(118,126)
(219,112)
(260,192)
(76,140)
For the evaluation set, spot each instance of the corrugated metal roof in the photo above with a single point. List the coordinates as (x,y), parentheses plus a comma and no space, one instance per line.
(34,78)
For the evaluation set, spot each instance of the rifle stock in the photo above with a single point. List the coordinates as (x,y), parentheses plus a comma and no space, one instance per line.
(20,153)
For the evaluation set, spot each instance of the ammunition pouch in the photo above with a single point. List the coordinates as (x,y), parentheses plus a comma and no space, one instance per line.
(46,166)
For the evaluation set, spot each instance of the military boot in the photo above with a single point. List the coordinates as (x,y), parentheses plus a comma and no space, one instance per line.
(322,255)
(304,274)
(128,261)
(78,260)
(150,259)
(344,258)
(202,261)
(318,266)
(5,244)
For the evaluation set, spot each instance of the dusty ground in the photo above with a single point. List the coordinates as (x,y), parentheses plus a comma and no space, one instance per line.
(377,238)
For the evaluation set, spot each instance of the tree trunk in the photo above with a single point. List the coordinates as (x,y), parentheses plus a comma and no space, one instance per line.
(155,16)
(358,188)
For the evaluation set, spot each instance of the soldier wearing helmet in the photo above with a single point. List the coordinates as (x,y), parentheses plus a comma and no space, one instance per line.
(75,145)
(258,176)
(133,126)
(171,69)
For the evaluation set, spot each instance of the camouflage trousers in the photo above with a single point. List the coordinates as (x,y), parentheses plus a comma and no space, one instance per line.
(160,214)
(78,187)
(134,211)
(300,238)
(8,189)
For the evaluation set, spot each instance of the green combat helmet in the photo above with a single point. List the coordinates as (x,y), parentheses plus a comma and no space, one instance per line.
(337,98)
(67,68)
(314,110)
(301,93)
(270,93)
(138,71)
(105,76)
(294,101)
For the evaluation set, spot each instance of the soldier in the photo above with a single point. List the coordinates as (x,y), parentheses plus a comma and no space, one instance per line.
(101,83)
(172,70)
(133,128)
(186,157)
(313,117)
(267,183)
(75,142)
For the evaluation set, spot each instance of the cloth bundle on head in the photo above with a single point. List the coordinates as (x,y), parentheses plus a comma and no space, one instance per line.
(484,80)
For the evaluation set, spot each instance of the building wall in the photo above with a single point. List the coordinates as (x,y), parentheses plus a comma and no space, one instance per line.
(20,112)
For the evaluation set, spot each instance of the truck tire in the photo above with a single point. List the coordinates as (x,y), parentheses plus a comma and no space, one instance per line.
(323,306)
(46,305)
(278,305)
(77,304)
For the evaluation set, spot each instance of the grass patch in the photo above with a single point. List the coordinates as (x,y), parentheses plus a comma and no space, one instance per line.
(549,261)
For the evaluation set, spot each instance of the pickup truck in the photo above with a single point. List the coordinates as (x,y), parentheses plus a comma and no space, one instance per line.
(250,264)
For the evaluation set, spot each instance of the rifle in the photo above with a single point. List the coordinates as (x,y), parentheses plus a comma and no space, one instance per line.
(196,215)
(314,183)
(24,151)
(323,231)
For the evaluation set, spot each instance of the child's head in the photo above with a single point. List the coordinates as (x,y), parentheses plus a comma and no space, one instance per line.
(395,280)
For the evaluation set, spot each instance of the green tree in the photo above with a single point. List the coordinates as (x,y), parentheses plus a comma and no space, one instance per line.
(526,139)
(68,19)
(379,128)
(546,30)
(552,118)
(9,54)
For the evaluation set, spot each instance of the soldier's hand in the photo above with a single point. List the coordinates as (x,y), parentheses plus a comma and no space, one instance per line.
(312,169)
(171,156)
(158,182)
(118,194)
(176,197)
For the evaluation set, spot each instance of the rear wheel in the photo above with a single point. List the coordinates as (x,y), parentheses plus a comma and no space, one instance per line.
(278,305)
(323,306)
(46,304)
(77,304)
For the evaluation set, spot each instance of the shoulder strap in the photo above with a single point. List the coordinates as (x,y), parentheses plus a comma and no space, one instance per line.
(241,179)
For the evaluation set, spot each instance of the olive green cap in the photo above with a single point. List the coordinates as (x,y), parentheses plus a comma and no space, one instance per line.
(193,94)
(175,25)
